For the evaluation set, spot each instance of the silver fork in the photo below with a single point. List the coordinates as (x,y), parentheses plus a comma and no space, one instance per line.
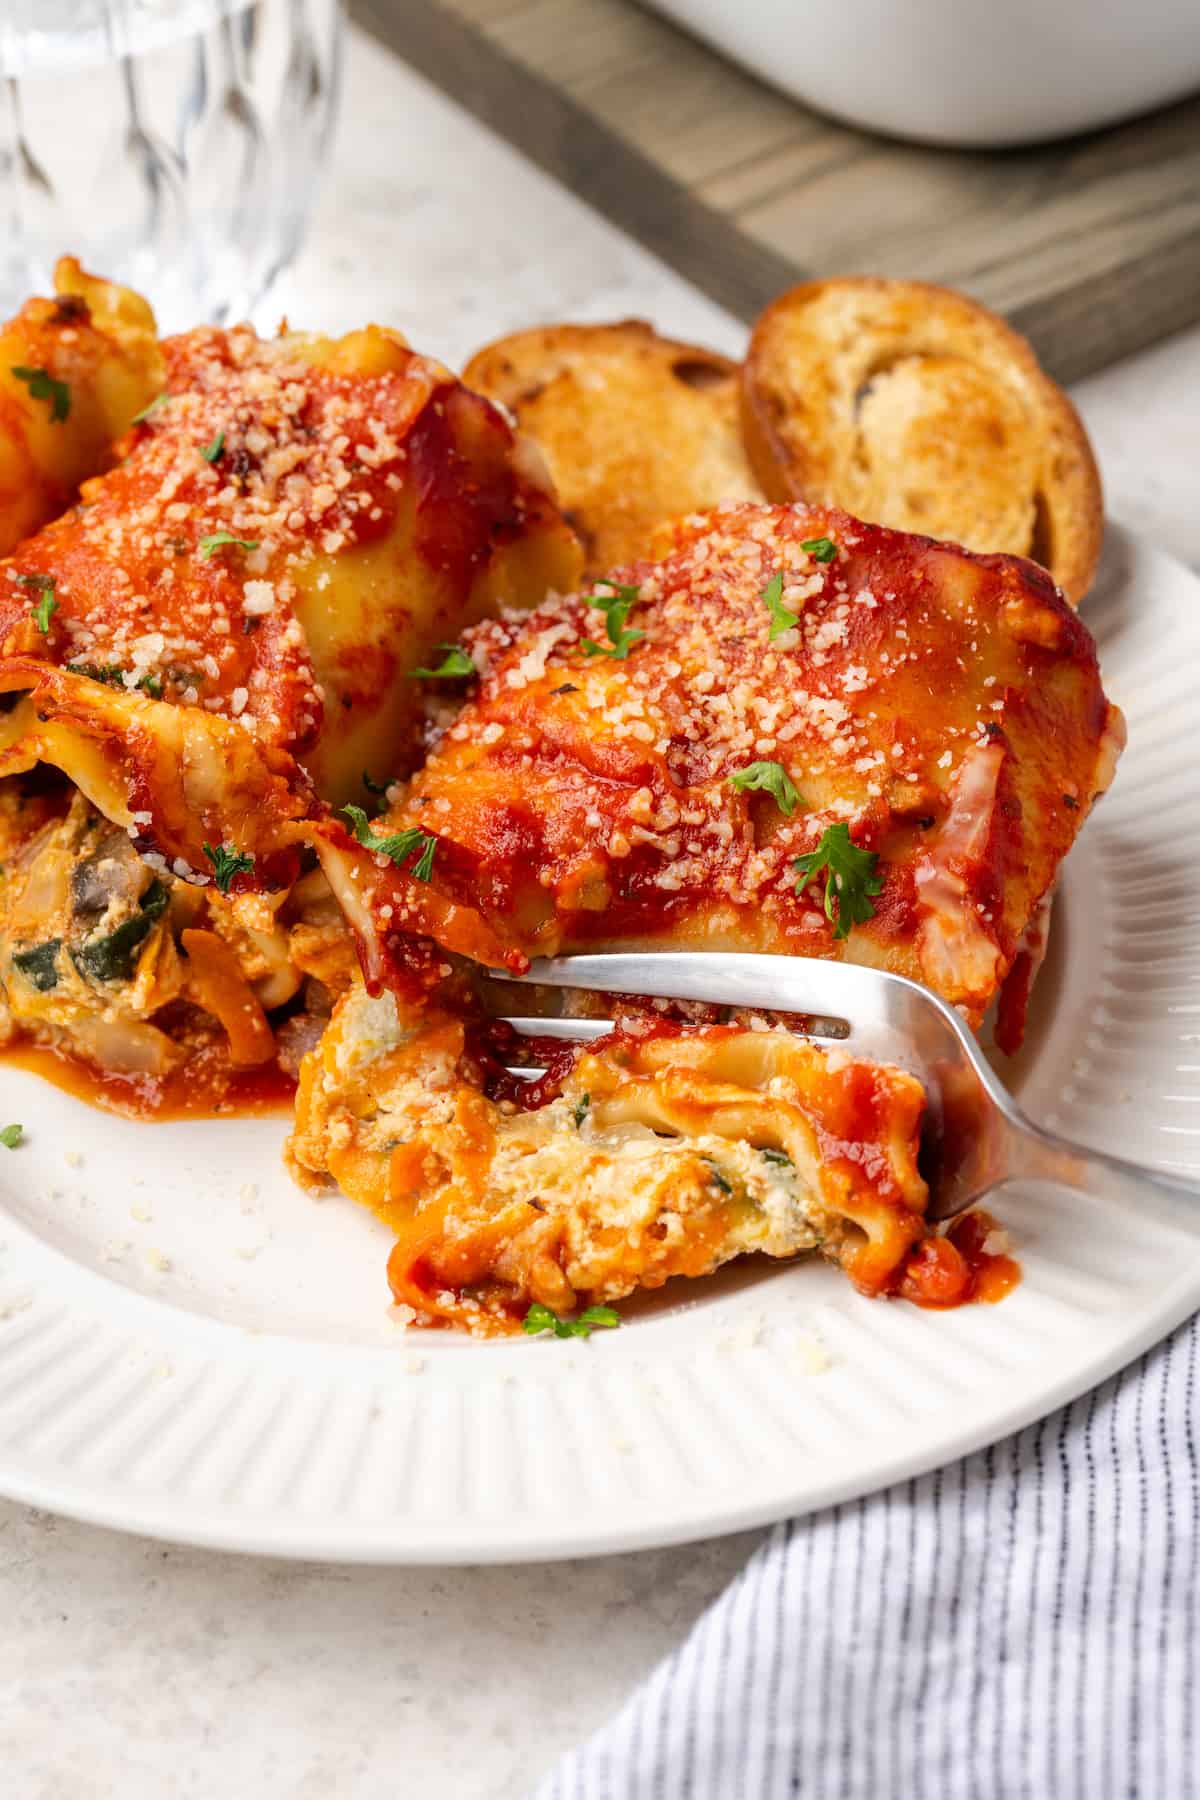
(976,1137)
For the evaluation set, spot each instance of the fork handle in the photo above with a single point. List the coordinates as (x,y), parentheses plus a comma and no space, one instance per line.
(1042,1156)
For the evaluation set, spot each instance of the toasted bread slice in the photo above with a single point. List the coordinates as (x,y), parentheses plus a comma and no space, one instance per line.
(636,428)
(915,407)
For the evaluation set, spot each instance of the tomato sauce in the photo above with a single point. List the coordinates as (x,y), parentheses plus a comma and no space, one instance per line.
(202,1087)
(956,1268)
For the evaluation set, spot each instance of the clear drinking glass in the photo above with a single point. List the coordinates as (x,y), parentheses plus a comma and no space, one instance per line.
(171,144)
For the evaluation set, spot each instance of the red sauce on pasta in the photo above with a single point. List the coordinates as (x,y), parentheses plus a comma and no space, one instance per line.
(202,1087)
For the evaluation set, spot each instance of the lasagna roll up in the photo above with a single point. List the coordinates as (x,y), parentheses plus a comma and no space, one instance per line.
(74,372)
(219,639)
(797,733)
(664,1151)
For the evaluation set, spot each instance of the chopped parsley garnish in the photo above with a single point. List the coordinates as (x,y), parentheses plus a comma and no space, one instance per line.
(541,1318)
(208,545)
(152,684)
(616,608)
(772,598)
(579,1111)
(159,401)
(47,606)
(374,787)
(771,1155)
(212,451)
(823,548)
(399,846)
(850,878)
(227,861)
(43,386)
(453,666)
(771,778)
(10,1137)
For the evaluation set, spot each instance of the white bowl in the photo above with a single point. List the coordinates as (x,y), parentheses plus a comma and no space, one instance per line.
(967,72)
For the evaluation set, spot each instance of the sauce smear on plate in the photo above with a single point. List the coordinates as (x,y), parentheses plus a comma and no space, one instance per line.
(957,1268)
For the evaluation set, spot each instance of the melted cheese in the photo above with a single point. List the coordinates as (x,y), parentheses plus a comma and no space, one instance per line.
(650,1164)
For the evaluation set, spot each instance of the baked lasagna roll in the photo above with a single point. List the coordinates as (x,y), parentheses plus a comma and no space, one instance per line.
(74,372)
(796,733)
(220,637)
(291,531)
(667,1151)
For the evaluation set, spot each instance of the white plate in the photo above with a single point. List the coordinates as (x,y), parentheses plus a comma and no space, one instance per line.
(182,1356)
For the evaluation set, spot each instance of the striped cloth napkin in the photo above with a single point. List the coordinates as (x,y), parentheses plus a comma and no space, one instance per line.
(1023,1625)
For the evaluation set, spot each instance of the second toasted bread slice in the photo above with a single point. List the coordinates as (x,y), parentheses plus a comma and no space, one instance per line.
(636,428)
(915,407)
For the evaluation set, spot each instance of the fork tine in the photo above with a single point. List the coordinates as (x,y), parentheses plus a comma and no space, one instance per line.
(769,984)
(579,1031)
(725,978)
(882,1011)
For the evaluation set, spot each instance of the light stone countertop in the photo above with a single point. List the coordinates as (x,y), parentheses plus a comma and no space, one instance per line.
(136,1670)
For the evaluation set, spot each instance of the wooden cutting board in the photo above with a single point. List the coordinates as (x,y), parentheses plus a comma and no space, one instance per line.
(1090,246)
